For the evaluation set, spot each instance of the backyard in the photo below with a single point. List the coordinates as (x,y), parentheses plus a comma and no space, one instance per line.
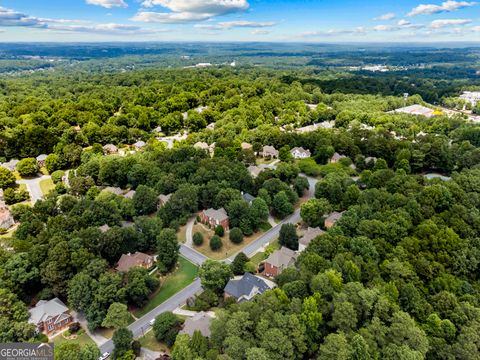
(184,275)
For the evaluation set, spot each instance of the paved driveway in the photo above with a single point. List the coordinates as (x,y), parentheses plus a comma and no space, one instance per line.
(33,187)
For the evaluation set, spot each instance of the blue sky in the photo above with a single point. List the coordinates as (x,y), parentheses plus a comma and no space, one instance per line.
(239,20)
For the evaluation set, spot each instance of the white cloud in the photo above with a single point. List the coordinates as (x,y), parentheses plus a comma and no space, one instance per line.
(9,17)
(404,22)
(476,28)
(447,6)
(248,24)
(108,3)
(260,32)
(332,32)
(189,10)
(438,24)
(385,17)
(111,29)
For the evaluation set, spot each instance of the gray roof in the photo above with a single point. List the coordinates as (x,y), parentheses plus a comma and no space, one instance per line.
(42,157)
(244,286)
(255,170)
(200,322)
(46,309)
(219,214)
(247,197)
(309,235)
(113,190)
(300,150)
(139,144)
(129,195)
(282,258)
(337,157)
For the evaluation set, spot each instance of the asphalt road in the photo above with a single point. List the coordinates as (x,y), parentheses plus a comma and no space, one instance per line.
(140,326)
(192,255)
(33,187)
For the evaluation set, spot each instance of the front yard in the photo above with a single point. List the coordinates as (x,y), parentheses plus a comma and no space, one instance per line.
(149,342)
(82,339)
(183,276)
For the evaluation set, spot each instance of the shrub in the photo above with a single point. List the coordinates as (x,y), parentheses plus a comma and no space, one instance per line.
(219,231)
(215,243)
(236,236)
(27,167)
(57,176)
(165,325)
(74,327)
(198,239)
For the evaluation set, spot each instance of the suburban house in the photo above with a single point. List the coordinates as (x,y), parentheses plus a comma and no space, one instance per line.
(41,160)
(214,218)
(336,158)
(309,235)
(370,159)
(254,170)
(415,110)
(246,146)
(431,176)
(129,195)
(244,288)
(199,322)
(104,228)
(6,218)
(50,316)
(473,97)
(127,261)
(332,219)
(248,197)
(110,149)
(269,151)
(201,145)
(163,199)
(113,190)
(279,260)
(139,145)
(157,130)
(300,153)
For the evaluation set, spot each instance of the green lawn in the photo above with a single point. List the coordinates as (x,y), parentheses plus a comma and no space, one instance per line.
(170,285)
(149,342)
(82,339)
(260,256)
(46,185)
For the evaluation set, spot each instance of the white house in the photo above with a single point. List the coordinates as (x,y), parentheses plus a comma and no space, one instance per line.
(300,153)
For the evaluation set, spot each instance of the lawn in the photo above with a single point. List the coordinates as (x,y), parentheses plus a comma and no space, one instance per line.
(82,339)
(260,256)
(183,276)
(182,234)
(228,248)
(46,185)
(149,342)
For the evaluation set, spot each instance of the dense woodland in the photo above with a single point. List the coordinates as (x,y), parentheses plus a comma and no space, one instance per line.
(396,278)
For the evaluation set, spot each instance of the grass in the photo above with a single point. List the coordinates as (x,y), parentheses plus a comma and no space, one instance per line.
(82,339)
(260,256)
(46,186)
(228,249)
(149,342)
(17,175)
(184,275)
(182,234)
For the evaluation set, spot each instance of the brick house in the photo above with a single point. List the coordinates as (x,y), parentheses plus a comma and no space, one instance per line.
(50,316)
(127,261)
(214,218)
(278,261)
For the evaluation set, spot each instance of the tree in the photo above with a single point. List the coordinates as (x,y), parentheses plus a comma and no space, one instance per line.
(198,239)
(145,200)
(236,236)
(281,205)
(117,316)
(216,243)
(53,163)
(199,344)
(219,230)
(139,285)
(122,341)
(27,167)
(67,351)
(335,347)
(7,179)
(238,264)
(288,236)
(168,249)
(214,275)
(181,349)
(166,327)
(300,184)
(313,211)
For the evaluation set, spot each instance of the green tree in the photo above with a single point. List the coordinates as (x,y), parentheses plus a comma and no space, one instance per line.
(238,264)
(27,167)
(7,179)
(314,210)
(236,235)
(67,351)
(122,341)
(181,350)
(214,275)
(53,163)
(145,200)
(139,285)
(166,327)
(198,239)
(281,205)
(167,249)
(334,347)
(219,230)
(117,316)
(216,243)
(288,236)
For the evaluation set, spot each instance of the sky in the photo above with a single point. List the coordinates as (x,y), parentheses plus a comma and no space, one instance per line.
(239,20)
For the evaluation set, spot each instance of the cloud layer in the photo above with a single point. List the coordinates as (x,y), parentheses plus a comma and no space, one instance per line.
(447,6)
(108,3)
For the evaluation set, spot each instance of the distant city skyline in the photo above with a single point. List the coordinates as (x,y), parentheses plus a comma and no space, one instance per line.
(239,20)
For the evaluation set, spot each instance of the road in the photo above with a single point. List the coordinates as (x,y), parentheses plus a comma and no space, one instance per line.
(33,187)
(140,326)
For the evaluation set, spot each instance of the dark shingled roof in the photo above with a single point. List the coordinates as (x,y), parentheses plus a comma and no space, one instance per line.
(245,285)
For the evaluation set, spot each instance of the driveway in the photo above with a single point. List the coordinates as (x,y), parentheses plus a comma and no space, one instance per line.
(189,232)
(33,187)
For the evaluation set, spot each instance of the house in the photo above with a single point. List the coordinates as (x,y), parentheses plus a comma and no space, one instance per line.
(336,158)
(416,110)
(246,287)
(199,322)
(214,218)
(437,176)
(300,153)
(110,149)
(370,159)
(211,126)
(127,261)
(11,165)
(50,316)
(113,190)
(129,194)
(269,151)
(201,146)
(6,218)
(139,145)
(254,170)
(41,160)
(332,219)
(163,199)
(246,146)
(104,228)
(247,197)
(309,235)
(157,130)
(279,260)
(473,97)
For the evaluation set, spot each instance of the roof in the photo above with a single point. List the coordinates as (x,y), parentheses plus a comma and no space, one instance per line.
(267,149)
(254,170)
(129,195)
(201,145)
(246,146)
(300,150)
(337,157)
(140,144)
(46,309)
(334,217)
(104,228)
(128,261)
(164,198)
(437,176)
(110,147)
(219,214)
(247,197)
(282,258)
(244,286)
(113,190)
(6,218)
(200,322)
(416,110)
(42,157)
(309,235)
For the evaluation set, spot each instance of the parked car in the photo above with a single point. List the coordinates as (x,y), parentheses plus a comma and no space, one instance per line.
(104,356)
(152,322)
